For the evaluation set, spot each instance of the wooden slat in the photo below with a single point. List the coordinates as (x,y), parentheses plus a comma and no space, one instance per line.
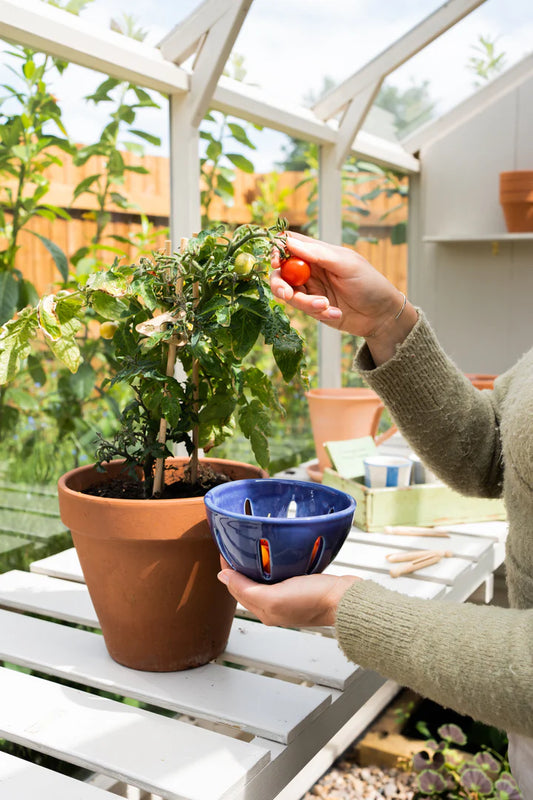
(156,753)
(65,564)
(282,652)
(259,705)
(469,547)
(411,586)
(22,780)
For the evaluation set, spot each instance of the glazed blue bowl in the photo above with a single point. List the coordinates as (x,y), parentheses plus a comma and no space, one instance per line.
(272,529)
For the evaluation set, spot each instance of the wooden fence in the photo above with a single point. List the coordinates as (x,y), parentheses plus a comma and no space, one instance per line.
(150,193)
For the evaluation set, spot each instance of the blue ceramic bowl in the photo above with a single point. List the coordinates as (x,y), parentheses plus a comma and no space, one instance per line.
(272,529)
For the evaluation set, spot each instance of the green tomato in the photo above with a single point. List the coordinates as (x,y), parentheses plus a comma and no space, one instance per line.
(108,329)
(244,263)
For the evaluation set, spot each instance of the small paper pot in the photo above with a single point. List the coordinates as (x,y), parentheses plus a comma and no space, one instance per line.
(387,472)
(420,473)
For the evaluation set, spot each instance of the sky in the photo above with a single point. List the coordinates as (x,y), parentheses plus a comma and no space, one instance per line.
(290,46)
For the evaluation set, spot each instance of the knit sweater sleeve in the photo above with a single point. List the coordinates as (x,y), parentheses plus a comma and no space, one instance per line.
(452,426)
(477,660)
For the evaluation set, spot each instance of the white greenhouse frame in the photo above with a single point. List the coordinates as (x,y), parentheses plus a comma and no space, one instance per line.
(209,33)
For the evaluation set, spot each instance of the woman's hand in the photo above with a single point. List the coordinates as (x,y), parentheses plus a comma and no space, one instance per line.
(309,600)
(344,291)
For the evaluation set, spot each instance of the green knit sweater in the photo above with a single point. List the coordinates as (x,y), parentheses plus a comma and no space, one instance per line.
(475,659)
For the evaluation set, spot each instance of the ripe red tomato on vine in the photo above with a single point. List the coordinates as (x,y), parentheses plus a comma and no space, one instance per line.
(295,271)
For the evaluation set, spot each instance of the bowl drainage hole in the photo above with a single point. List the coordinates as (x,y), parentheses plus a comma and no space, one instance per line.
(316,554)
(264,557)
(248,510)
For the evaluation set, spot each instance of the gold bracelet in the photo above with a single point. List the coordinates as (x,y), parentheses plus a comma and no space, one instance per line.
(394,318)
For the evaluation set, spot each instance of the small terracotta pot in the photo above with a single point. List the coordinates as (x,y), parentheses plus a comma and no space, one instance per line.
(340,414)
(516,198)
(150,567)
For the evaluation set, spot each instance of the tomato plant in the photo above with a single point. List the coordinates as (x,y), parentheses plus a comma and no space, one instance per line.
(295,271)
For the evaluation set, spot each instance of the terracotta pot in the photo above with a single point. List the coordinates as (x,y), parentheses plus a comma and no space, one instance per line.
(150,567)
(481,381)
(340,414)
(516,198)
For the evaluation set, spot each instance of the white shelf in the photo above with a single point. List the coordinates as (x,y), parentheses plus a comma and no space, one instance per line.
(485,237)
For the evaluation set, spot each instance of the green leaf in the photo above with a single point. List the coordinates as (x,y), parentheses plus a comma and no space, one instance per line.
(15,343)
(219,409)
(108,307)
(287,350)
(240,135)
(85,185)
(48,319)
(60,259)
(254,422)
(111,283)
(66,348)
(214,150)
(22,399)
(148,137)
(398,234)
(241,162)
(244,328)
(9,295)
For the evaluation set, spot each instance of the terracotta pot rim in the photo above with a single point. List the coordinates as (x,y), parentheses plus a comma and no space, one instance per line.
(64,479)
(342,393)
(517,175)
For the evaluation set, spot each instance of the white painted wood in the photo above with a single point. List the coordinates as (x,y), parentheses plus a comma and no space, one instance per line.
(499,236)
(185,212)
(156,753)
(277,650)
(181,41)
(52,30)
(511,79)
(259,705)
(287,762)
(353,118)
(65,564)
(39,594)
(390,59)
(318,765)
(469,547)
(409,585)
(292,653)
(212,58)
(330,230)
(372,557)
(22,780)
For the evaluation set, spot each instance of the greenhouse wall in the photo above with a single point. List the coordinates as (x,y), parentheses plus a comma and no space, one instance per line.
(474,281)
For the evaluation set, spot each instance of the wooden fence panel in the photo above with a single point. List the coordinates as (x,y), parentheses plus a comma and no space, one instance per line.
(150,194)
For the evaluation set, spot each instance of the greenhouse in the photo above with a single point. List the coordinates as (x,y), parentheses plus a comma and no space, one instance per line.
(161,169)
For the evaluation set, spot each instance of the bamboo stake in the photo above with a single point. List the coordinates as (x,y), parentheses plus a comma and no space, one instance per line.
(411,555)
(171,363)
(411,530)
(195,394)
(414,566)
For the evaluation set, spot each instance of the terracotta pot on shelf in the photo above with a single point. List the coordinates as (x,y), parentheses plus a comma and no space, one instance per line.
(151,570)
(481,381)
(516,198)
(340,414)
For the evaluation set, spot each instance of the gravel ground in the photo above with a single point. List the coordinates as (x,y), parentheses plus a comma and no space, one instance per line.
(346,780)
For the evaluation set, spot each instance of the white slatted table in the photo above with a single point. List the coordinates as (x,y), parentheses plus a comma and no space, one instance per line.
(263,722)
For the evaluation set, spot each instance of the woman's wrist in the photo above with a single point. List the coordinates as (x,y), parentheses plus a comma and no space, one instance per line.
(391,332)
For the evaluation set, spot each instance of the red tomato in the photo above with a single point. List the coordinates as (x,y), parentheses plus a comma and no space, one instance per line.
(295,271)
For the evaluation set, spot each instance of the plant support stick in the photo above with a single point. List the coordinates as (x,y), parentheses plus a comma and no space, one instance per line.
(171,363)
